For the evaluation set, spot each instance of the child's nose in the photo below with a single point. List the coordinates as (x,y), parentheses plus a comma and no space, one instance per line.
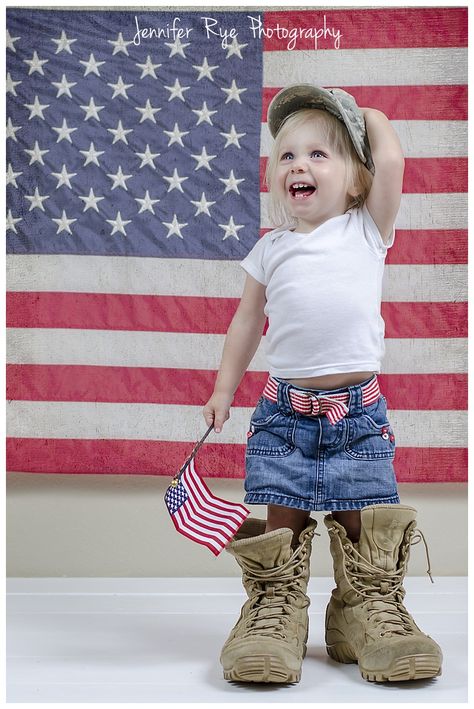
(299,165)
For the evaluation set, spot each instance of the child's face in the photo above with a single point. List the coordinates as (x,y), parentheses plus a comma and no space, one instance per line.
(306,159)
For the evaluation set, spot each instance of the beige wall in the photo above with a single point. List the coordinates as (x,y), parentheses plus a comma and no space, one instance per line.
(117,525)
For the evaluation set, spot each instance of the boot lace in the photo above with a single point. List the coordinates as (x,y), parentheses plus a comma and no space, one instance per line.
(383,590)
(274,594)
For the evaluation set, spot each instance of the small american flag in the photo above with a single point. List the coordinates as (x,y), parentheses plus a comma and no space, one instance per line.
(200,515)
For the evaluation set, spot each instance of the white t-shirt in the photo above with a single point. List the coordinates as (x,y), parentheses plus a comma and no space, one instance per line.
(323,293)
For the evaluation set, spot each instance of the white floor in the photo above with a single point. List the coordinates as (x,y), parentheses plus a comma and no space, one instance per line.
(82,640)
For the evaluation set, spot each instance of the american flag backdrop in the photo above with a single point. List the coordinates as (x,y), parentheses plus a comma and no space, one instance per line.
(134,187)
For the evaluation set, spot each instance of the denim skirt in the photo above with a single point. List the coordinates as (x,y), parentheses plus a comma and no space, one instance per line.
(307,463)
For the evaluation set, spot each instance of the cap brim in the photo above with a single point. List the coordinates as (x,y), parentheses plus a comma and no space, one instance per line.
(296,98)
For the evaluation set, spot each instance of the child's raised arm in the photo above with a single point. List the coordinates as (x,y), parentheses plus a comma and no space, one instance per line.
(385,194)
(241,342)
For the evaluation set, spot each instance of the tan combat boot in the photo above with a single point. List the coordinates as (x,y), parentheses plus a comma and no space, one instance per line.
(268,642)
(366,621)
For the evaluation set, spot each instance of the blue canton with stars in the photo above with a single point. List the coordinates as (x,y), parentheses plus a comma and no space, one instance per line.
(175,497)
(120,149)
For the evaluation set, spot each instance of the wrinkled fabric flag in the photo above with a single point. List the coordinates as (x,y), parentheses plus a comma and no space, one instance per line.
(134,188)
(200,515)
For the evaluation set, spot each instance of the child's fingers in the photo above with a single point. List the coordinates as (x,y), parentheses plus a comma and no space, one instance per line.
(220,418)
(208,415)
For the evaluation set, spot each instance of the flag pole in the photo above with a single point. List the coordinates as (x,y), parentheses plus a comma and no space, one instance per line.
(175,480)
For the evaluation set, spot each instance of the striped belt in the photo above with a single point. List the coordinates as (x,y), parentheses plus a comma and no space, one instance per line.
(334,406)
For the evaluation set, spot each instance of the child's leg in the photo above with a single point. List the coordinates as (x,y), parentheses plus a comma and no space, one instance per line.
(350,520)
(278,517)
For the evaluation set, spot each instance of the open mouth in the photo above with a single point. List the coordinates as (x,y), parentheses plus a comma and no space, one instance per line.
(300,190)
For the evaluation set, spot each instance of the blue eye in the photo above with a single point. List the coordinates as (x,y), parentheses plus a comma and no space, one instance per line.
(317,152)
(287,156)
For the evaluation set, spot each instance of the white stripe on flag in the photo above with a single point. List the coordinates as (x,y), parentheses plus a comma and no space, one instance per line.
(167,422)
(193,277)
(417,211)
(419,139)
(202,351)
(372,67)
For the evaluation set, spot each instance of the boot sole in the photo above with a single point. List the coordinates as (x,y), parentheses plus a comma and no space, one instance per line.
(410,667)
(261,668)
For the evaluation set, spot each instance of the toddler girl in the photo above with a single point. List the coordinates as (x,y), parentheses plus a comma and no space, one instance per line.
(319,438)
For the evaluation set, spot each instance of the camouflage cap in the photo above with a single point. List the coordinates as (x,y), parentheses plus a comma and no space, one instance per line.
(338,102)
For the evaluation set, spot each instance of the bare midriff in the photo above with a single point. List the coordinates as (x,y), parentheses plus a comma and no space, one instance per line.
(332,381)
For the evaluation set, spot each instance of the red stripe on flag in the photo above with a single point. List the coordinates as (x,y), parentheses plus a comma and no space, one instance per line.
(117,311)
(431,465)
(422,175)
(425,319)
(103,311)
(428,246)
(45,382)
(360,28)
(79,456)
(400,103)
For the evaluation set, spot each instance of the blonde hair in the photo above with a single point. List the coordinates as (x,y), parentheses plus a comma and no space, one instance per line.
(358,178)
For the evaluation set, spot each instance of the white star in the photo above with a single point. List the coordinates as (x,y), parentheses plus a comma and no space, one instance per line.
(148,113)
(118,224)
(36,108)
(63,86)
(120,133)
(176,91)
(11,84)
(174,227)
(63,223)
(120,88)
(234,48)
(233,137)
(11,130)
(119,179)
(205,70)
(36,64)
(63,177)
(148,69)
(175,135)
(92,67)
(202,206)
(36,200)
(11,221)
(11,41)
(11,176)
(175,181)
(64,44)
(92,110)
(90,201)
(120,45)
(91,155)
(36,154)
(146,204)
(231,229)
(204,114)
(177,47)
(233,94)
(203,159)
(231,183)
(148,157)
(64,132)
